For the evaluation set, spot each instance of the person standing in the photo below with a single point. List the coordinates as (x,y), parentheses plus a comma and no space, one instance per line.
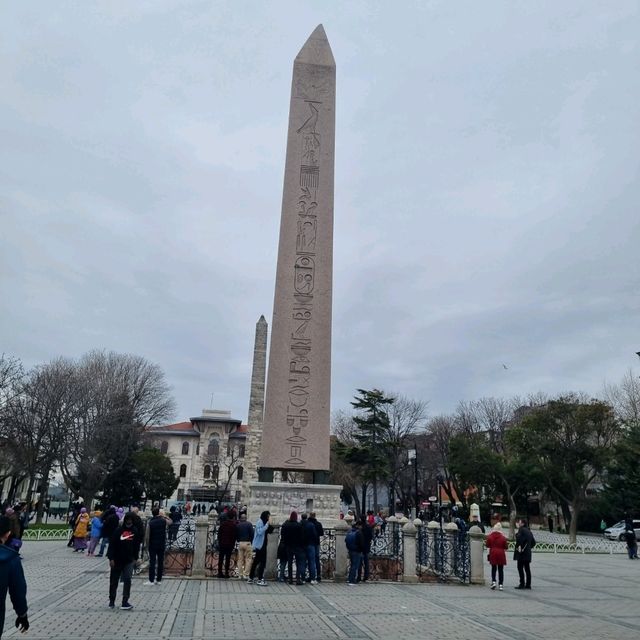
(176,517)
(497,544)
(122,554)
(80,531)
(320,531)
(632,542)
(259,544)
(355,546)
(367,537)
(110,523)
(522,554)
(292,535)
(226,542)
(244,536)
(311,543)
(96,532)
(156,537)
(12,579)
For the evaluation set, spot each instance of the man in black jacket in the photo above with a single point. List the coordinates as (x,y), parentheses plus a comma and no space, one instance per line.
(367,537)
(320,530)
(110,523)
(522,554)
(292,535)
(123,552)
(156,540)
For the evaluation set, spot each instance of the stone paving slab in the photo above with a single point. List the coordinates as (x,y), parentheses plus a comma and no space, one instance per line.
(573,596)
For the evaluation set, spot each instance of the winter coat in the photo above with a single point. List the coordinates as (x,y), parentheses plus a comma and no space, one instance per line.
(124,545)
(497,545)
(260,536)
(367,537)
(12,580)
(292,534)
(157,527)
(354,541)
(96,527)
(227,533)
(524,543)
(109,525)
(311,537)
(319,527)
(82,526)
(244,531)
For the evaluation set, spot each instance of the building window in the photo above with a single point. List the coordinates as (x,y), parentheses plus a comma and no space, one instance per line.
(185,448)
(215,472)
(181,494)
(198,449)
(229,449)
(183,470)
(207,471)
(238,496)
(213,449)
(240,473)
(164,447)
(241,451)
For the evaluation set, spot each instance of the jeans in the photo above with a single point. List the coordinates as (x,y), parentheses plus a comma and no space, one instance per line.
(632,551)
(93,543)
(259,562)
(310,551)
(125,571)
(356,559)
(103,545)
(224,555)
(156,564)
(298,554)
(318,564)
(364,567)
(244,558)
(500,569)
(524,567)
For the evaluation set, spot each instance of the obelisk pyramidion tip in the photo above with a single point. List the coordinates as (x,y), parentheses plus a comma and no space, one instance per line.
(316,49)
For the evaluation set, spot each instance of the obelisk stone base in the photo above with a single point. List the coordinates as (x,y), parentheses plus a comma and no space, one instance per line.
(281,498)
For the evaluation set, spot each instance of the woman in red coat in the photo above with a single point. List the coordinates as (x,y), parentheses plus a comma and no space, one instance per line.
(497,544)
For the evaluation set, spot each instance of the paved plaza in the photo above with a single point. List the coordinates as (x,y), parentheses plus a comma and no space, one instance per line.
(573,596)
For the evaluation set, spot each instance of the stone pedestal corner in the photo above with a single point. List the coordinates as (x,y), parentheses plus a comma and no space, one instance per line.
(476,542)
(409,533)
(200,547)
(342,557)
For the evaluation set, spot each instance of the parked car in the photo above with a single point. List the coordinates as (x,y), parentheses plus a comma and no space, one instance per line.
(616,532)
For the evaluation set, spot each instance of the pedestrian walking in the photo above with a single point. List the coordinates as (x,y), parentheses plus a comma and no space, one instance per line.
(292,535)
(355,546)
(80,531)
(226,542)
(320,531)
(632,542)
(96,532)
(156,536)
(259,544)
(122,554)
(14,540)
(12,579)
(525,542)
(244,536)
(497,544)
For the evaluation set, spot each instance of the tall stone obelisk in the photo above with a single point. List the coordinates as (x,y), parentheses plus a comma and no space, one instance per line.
(295,434)
(256,405)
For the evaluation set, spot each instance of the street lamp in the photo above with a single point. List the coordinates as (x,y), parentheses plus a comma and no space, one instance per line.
(413,456)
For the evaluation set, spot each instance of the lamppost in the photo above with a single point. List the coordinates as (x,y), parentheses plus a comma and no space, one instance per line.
(413,457)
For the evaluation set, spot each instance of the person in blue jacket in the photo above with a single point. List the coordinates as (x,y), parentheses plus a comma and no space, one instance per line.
(12,579)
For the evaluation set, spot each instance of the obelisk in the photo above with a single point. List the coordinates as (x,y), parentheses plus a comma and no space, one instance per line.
(295,432)
(256,405)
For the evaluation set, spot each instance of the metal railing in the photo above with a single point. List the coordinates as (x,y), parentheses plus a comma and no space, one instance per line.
(443,555)
(178,556)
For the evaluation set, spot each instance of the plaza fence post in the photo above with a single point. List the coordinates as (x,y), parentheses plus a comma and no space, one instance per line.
(200,547)
(409,533)
(433,528)
(476,542)
(342,558)
(270,570)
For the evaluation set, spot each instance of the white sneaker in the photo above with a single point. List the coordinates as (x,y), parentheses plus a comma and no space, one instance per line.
(500,588)
(493,585)
(313,582)
(249,580)
(148,582)
(261,583)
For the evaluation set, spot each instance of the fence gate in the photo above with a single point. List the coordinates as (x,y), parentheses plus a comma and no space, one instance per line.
(178,556)
(443,555)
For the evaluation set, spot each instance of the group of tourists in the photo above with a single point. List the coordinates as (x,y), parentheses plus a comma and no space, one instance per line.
(497,545)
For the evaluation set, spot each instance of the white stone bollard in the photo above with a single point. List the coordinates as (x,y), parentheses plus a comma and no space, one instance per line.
(476,542)
(200,547)
(409,533)
(342,557)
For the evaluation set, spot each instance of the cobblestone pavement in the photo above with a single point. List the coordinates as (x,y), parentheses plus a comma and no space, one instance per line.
(573,596)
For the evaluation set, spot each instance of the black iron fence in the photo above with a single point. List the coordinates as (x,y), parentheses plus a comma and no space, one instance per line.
(443,555)
(178,557)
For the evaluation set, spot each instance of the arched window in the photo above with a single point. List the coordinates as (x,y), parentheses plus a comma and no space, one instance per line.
(185,448)
(207,471)
(215,472)
(164,447)
(240,473)
(214,447)
(183,470)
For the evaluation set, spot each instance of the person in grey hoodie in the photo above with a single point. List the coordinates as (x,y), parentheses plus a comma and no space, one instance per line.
(12,579)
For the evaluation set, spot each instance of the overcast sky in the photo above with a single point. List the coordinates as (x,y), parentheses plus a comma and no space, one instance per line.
(486,204)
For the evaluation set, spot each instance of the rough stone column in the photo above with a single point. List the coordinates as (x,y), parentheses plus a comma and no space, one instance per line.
(409,533)
(476,540)
(451,530)
(342,557)
(200,547)
(272,553)
(256,407)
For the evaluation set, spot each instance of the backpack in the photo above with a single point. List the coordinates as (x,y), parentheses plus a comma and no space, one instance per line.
(351,540)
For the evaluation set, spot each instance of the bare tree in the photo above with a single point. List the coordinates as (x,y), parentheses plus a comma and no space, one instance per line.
(625,398)
(220,468)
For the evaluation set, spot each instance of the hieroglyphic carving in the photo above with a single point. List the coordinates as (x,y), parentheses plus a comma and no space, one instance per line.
(301,346)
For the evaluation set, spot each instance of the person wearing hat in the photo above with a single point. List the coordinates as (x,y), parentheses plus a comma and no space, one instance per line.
(80,531)
(12,578)
(497,544)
